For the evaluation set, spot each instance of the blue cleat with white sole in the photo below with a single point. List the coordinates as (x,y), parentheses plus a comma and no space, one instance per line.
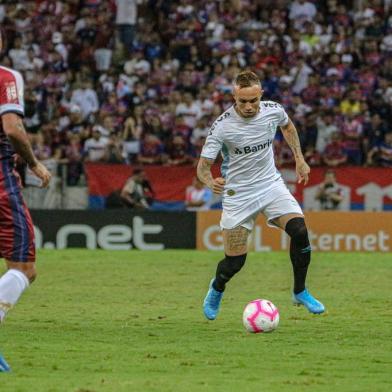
(212,302)
(306,299)
(4,367)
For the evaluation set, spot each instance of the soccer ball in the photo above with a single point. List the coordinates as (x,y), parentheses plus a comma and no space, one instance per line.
(260,315)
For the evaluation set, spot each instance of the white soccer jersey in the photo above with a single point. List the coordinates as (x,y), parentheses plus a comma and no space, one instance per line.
(247,149)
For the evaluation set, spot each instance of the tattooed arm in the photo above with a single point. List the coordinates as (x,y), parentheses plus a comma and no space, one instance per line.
(14,129)
(291,136)
(205,176)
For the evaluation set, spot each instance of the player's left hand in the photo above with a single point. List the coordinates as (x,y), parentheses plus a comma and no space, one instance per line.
(303,170)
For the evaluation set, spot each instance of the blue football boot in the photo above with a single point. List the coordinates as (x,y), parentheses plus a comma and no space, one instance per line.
(306,299)
(212,302)
(4,367)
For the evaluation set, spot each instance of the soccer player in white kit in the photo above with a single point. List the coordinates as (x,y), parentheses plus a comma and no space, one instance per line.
(251,184)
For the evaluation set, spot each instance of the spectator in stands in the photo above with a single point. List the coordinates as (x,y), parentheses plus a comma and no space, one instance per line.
(325,128)
(153,125)
(126,21)
(151,150)
(106,125)
(32,118)
(329,193)
(95,147)
(86,98)
(352,131)
(59,47)
(41,147)
(374,132)
(197,196)
(131,139)
(322,60)
(350,104)
(312,156)
(300,75)
(181,128)
(309,131)
(73,159)
(197,148)
(189,109)
(302,11)
(110,105)
(88,32)
(177,152)
(199,132)
(73,121)
(113,150)
(334,153)
(381,154)
(283,155)
(18,55)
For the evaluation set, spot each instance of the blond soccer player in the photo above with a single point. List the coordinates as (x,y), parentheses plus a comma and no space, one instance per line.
(251,184)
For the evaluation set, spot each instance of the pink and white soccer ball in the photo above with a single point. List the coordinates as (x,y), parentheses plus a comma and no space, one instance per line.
(260,315)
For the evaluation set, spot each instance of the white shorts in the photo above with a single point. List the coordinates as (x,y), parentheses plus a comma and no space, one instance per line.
(276,203)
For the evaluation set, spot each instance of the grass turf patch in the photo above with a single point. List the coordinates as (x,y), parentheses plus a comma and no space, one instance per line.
(132,321)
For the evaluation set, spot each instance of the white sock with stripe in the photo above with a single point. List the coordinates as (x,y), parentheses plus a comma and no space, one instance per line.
(12,285)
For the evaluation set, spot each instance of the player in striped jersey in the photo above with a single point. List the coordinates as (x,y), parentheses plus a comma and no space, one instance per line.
(16,228)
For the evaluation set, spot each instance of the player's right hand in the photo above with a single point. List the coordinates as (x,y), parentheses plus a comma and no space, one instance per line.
(42,173)
(218,185)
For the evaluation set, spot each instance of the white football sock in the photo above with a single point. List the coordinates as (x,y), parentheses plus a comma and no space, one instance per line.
(12,285)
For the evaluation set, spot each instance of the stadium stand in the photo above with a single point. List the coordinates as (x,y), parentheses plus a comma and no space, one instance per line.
(140,81)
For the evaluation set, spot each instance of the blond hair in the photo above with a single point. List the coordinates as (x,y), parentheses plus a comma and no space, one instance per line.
(246,79)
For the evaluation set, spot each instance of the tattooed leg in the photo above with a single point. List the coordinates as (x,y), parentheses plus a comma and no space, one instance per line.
(235,241)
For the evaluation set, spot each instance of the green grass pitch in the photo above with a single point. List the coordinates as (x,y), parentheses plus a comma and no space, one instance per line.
(132,321)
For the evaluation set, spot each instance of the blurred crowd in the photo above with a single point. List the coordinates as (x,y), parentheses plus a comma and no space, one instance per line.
(141,81)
